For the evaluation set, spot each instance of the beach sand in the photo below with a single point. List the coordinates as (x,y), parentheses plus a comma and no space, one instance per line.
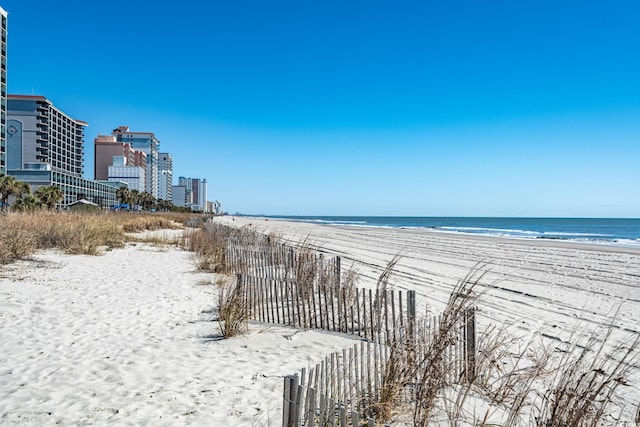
(127,338)
(550,288)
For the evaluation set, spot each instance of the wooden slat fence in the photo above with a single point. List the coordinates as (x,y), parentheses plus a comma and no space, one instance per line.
(345,388)
(295,286)
(319,305)
(282,262)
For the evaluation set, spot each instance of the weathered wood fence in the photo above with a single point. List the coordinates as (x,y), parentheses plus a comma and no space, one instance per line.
(278,261)
(286,285)
(319,305)
(346,388)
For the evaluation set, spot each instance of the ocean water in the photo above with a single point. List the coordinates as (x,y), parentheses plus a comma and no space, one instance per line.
(612,231)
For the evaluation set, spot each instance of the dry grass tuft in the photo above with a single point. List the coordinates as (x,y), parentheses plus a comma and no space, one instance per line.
(233,310)
(431,367)
(17,239)
(22,233)
(136,223)
(582,391)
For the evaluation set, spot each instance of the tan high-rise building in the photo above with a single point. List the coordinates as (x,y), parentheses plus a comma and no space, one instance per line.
(107,147)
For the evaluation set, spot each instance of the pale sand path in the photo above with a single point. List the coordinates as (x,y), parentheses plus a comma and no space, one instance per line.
(536,286)
(125,339)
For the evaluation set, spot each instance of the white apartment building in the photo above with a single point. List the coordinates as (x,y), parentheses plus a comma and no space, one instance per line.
(134,176)
(165,176)
(147,143)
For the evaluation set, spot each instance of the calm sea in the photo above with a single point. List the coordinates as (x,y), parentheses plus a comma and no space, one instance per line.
(617,231)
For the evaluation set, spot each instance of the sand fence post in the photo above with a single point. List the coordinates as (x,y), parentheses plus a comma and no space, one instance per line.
(411,313)
(289,401)
(470,342)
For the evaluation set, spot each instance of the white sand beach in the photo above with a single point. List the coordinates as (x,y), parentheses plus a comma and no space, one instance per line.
(552,288)
(127,338)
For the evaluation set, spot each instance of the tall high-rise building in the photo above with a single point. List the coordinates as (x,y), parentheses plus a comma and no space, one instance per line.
(165,176)
(202,195)
(45,147)
(38,132)
(106,147)
(198,189)
(180,195)
(3,92)
(147,143)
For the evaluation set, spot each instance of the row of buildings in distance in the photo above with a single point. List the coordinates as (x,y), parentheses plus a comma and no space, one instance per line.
(134,158)
(46,147)
(41,145)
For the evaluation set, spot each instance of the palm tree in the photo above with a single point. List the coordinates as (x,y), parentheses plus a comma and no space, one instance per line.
(124,195)
(28,202)
(134,198)
(22,189)
(8,187)
(49,196)
(165,205)
(147,200)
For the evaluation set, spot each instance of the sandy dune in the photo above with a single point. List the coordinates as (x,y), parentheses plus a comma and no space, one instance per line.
(127,339)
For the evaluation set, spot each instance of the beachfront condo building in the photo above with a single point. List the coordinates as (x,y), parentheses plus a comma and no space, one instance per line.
(106,148)
(214,207)
(147,143)
(45,147)
(165,176)
(3,93)
(133,175)
(198,189)
(202,195)
(180,196)
(38,132)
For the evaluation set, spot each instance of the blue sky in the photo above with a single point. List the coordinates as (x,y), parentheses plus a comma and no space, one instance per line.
(459,108)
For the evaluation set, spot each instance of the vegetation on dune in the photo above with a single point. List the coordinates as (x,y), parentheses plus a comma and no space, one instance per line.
(25,231)
(515,382)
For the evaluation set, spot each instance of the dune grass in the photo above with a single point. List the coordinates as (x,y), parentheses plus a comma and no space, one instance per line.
(23,233)
(233,311)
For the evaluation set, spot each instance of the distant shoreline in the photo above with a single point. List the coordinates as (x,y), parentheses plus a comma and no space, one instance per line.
(624,233)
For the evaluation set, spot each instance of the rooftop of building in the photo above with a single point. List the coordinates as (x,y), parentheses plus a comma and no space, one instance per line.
(40,98)
(125,129)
